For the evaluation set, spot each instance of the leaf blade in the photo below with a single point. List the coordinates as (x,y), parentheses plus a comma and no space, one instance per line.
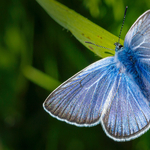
(82,28)
(40,78)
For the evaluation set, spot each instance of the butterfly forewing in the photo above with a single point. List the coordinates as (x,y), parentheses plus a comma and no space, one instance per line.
(138,37)
(81,99)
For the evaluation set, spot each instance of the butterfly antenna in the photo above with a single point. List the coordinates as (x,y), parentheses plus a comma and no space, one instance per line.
(123,23)
(98,45)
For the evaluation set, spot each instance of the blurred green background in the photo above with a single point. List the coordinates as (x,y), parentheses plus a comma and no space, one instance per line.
(29,37)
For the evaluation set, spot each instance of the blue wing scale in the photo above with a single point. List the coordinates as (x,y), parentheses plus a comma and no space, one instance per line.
(128,114)
(80,100)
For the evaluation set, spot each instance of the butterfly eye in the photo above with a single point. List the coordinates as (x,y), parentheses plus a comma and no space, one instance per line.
(118,46)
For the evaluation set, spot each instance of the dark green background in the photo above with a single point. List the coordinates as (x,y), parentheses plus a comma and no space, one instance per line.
(28,36)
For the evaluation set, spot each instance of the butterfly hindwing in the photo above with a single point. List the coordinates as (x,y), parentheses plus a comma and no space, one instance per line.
(128,113)
(81,99)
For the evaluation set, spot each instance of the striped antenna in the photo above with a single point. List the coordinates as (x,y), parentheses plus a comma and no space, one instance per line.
(123,23)
(98,45)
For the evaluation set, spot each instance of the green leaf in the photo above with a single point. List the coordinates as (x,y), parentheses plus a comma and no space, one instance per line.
(40,78)
(81,28)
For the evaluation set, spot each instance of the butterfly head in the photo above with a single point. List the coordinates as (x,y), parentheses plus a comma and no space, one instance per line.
(118,46)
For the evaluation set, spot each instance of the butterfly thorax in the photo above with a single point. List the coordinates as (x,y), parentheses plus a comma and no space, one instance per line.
(125,59)
(127,63)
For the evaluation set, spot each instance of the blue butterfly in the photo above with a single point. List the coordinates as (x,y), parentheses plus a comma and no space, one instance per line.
(114,91)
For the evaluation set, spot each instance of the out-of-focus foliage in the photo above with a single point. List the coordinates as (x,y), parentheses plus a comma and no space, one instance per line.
(30,39)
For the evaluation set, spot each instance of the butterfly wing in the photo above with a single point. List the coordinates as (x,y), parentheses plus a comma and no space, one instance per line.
(82,98)
(138,36)
(128,113)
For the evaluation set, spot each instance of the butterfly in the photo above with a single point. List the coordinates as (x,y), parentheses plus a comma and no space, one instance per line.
(114,91)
